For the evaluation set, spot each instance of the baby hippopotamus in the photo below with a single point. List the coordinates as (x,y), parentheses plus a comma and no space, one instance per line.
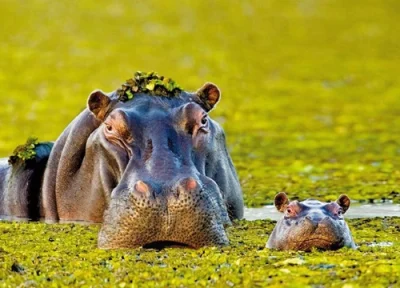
(311,223)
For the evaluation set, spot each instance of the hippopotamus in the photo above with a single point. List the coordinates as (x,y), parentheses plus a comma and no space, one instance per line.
(311,224)
(146,161)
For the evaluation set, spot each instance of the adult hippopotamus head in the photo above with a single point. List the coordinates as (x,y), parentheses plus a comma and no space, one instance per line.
(148,162)
(311,224)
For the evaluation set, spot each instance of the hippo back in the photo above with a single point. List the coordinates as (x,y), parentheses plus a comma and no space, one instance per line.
(20,183)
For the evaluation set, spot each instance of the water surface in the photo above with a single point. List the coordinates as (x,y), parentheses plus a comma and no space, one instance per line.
(355,211)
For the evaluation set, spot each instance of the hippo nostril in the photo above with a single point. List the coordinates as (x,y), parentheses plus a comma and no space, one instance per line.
(186,186)
(142,187)
(189,184)
(326,220)
(313,221)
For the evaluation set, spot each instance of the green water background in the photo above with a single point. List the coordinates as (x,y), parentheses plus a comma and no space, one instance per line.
(310,88)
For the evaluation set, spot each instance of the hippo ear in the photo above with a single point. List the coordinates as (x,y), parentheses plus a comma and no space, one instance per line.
(343,202)
(208,96)
(281,201)
(98,104)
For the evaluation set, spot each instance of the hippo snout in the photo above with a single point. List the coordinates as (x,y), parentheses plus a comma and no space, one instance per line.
(190,213)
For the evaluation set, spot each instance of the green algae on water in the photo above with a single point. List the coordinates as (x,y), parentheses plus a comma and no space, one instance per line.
(40,255)
(303,118)
(24,152)
(150,83)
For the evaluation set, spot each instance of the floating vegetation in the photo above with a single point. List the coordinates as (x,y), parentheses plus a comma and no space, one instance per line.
(304,118)
(24,152)
(150,83)
(40,255)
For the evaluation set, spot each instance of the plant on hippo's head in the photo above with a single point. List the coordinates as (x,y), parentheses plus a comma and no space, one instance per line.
(150,83)
(24,152)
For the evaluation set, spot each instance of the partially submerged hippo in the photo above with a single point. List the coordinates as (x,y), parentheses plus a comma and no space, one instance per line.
(311,224)
(146,160)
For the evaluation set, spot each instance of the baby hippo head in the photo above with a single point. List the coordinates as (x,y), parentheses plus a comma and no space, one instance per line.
(311,224)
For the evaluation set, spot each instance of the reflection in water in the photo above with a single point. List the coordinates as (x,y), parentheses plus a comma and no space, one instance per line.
(380,244)
(355,211)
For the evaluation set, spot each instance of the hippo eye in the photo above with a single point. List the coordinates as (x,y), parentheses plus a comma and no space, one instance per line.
(340,212)
(108,127)
(204,120)
(204,124)
(289,210)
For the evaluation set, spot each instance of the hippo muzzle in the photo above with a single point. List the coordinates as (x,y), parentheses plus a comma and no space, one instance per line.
(191,214)
(308,233)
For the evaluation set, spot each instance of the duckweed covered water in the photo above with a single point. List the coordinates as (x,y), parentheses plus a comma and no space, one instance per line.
(310,94)
(41,255)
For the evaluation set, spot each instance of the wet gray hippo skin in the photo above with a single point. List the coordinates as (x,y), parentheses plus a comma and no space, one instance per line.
(152,169)
(311,224)
(20,184)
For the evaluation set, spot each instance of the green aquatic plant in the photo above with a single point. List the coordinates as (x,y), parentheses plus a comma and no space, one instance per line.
(304,118)
(24,152)
(150,83)
(41,255)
